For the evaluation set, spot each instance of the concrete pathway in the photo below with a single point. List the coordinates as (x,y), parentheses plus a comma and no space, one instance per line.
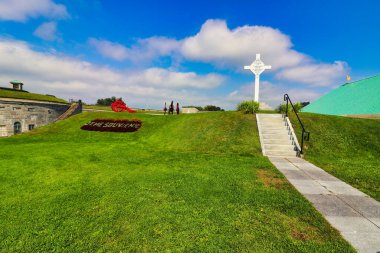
(353,213)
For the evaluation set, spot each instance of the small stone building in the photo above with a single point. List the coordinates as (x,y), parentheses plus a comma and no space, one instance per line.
(21,111)
(189,110)
(17,85)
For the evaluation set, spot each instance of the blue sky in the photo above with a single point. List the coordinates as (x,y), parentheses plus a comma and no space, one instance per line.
(149,52)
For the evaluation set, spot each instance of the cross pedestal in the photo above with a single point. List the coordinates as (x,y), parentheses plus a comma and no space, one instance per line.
(257,67)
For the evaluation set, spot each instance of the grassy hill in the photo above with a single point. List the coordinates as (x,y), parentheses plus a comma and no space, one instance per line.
(31,96)
(108,108)
(97,107)
(181,183)
(347,148)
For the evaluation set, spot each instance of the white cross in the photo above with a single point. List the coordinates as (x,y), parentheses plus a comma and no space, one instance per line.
(257,67)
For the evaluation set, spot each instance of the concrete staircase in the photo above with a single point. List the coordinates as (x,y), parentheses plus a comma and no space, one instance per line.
(277,136)
(73,107)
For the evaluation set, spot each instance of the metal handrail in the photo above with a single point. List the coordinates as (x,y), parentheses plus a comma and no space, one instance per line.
(305,134)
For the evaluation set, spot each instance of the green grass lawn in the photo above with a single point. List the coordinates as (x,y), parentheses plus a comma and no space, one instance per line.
(347,148)
(98,107)
(27,95)
(181,183)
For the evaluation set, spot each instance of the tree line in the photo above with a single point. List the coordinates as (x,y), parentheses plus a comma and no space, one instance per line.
(106,101)
(209,108)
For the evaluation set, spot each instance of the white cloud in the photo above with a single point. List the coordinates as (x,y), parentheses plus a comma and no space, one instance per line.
(217,44)
(315,74)
(22,10)
(143,50)
(151,48)
(47,31)
(159,77)
(220,46)
(71,78)
(109,49)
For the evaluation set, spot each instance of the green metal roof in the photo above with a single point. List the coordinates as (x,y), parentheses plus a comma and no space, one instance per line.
(360,97)
(15,82)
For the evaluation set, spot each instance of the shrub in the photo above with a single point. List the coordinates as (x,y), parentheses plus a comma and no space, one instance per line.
(212,108)
(282,107)
(106,101)
(248,106)
(297,106)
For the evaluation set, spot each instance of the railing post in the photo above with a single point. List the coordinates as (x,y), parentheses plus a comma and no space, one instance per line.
(287,102)
(305,135)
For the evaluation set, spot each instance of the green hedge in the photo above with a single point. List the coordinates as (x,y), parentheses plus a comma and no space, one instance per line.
(282,107)
(248,107)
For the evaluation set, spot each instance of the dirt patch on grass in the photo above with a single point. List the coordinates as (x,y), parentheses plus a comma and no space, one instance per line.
(301,235)
(271,179)
(302,231)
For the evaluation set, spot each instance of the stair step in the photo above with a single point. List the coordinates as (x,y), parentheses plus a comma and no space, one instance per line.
(271,119)
(269,124)
(269,115)
(277,141)
(279,147)
(282,136)
(281,153)
(274,131)
(264,125)
(282,128)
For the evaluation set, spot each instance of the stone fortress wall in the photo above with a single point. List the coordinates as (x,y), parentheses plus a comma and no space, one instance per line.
(21,115)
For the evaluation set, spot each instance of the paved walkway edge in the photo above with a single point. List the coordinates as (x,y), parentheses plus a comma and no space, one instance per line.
(354,214)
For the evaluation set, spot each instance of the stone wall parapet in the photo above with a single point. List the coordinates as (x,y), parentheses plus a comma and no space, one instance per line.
(28,114)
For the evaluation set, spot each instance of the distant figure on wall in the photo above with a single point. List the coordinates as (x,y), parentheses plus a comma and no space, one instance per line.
(165,109)
(177,108)
(171,108)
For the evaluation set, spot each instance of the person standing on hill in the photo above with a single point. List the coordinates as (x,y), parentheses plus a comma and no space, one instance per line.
(165,109)
(171,108)
(177,108)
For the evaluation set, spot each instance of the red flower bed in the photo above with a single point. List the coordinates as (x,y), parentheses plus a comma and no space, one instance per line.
(113,125)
